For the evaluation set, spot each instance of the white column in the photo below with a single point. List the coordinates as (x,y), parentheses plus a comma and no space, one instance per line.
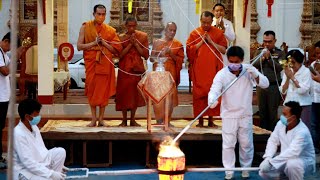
(45,53)
(242,33)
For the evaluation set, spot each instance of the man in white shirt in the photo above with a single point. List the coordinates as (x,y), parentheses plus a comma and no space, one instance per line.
(4,88)
(297,156)
(31,159)
(236,108)
(225,25)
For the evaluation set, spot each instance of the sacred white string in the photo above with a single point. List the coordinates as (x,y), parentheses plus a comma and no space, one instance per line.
(201,35)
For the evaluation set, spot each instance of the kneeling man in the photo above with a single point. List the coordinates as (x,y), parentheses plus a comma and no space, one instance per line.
(297,156)
(31,159)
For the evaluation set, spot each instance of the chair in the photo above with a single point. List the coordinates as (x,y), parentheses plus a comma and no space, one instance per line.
(29,72)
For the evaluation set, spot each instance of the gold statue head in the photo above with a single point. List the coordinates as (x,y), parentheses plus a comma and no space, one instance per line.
(27,42)
(286,62)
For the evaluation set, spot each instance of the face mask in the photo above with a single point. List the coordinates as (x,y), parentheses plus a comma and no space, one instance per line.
(234,66)
(284,120)
(35,120)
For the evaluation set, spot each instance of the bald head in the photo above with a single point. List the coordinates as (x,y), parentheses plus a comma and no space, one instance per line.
(170,30)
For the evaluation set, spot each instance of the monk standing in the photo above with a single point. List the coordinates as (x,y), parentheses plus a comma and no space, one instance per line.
(173,50)
(204,46)
(135,46)
(98,42)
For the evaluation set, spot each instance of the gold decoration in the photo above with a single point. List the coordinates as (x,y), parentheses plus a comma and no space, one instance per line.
(27,42)
(286,62)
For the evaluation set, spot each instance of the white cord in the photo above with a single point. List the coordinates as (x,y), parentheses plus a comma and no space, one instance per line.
(201,35)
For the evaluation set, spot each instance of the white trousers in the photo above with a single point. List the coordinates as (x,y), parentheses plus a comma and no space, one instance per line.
(294,169)
(233,130)
(58,156)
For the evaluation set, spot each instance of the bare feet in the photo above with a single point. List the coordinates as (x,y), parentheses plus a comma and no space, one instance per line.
(92,124)
(134,123)
(123,124)
(211,124)
(159,121)
(199,125)
(102,123)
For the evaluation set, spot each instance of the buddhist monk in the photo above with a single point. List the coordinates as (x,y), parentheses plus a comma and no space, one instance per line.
(135,48)
(173,50)
(204,46)
(99,42)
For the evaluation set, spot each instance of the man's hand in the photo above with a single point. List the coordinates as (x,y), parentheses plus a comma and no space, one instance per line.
(212,101)
(253,71)
(57,176)
(208,39)
(316,77)
(266,55)
(65,169)
(265,166)
(98,39)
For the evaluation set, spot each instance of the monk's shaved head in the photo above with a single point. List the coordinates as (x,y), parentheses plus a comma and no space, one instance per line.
(170,24)
(170,30)
(130,19)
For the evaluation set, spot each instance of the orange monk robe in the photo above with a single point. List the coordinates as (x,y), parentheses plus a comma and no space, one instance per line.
(128,95)
(205,66)
(100,74)
(171,65)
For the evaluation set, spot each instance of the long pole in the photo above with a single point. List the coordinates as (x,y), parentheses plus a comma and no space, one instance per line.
(195,119)
(13,69)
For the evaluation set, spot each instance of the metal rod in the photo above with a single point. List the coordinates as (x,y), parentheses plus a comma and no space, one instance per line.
(195,119)
(124,172)
(150,171)
(223,169)
(13,69)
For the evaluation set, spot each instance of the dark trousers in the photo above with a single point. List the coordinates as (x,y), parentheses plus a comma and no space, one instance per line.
(315,124)
(268,101)
(3,117)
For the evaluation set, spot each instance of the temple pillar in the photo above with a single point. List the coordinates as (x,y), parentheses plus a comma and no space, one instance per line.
(306,24)
(62,28)
(45,52)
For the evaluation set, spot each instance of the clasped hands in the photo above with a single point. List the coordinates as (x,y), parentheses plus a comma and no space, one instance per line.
(206,37)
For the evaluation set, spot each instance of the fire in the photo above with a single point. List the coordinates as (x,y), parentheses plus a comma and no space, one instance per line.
(171,161)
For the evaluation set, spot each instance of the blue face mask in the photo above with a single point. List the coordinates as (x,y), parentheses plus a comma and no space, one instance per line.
(234,66)
(284,120)
(35,120)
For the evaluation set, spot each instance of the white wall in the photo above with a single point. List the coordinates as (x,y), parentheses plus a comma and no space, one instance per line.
(183,13)
(285,21)
(81,11)
(4,18)
(242,33)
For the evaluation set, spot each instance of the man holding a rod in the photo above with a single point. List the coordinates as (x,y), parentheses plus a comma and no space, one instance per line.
(236,108)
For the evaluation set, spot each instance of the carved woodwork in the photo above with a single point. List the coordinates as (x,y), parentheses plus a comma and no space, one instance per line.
(147,12)
(306,24)
(254,26)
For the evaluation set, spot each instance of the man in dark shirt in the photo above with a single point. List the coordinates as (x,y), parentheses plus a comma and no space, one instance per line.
(269,98)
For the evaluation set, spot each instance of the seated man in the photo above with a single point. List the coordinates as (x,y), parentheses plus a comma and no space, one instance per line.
(297,156)
(31,159)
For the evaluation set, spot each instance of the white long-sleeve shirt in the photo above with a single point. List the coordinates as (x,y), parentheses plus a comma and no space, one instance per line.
(315,88)
(4,80)
(30,154)
(302,94)
(229,31)
(237,100)
(296,143)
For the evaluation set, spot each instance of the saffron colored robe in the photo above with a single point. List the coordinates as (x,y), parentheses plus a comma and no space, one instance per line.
(100,75)
(128,95)
(205,66)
